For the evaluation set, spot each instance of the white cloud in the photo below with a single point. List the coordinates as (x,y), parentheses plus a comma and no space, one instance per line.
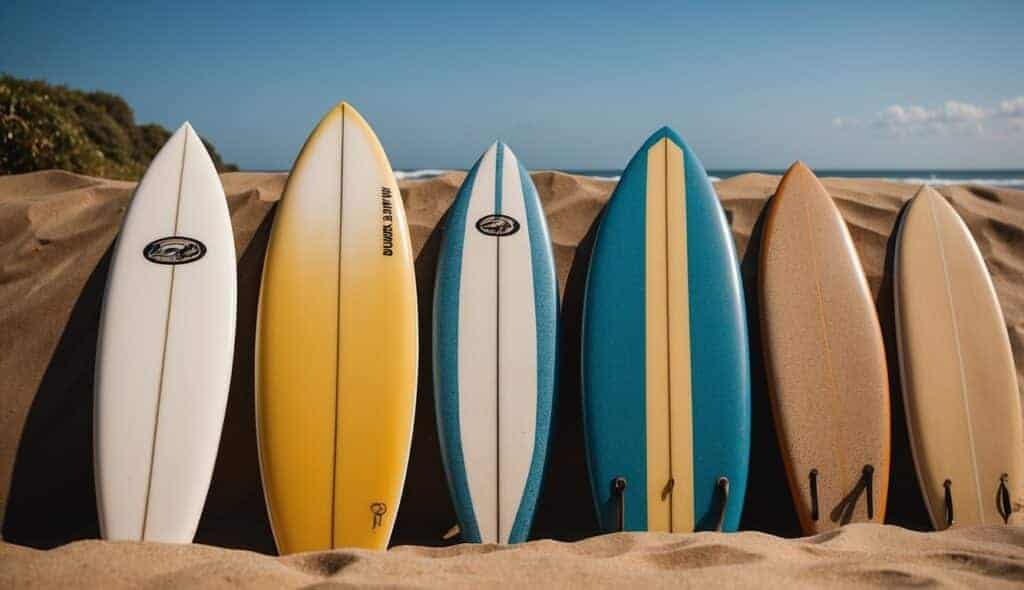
(962,111)
(840,122)
(952,117)
(1013,108)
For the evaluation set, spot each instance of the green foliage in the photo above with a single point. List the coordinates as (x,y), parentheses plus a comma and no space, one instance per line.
(44,126)
(151,138)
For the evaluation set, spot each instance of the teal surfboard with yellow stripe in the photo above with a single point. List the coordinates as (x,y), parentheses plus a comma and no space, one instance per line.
(666,376)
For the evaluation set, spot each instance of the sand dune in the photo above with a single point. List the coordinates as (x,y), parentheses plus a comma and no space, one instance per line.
(56,230)
(854,557)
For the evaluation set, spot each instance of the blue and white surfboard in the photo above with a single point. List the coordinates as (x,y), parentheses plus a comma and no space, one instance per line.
(666,376)
(495,318)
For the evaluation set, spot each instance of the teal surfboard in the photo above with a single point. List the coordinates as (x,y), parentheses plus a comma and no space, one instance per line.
(666,376)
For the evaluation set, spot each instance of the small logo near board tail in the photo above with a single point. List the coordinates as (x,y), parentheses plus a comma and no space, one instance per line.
(378,509)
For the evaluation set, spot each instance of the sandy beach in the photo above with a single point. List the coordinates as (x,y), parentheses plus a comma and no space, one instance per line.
(56,231)
(857,556)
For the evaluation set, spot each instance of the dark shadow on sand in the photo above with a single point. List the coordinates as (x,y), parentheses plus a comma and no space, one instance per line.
(426,512)
(235,513)
(53,498)
(768,506)
(565,510)
(906,506)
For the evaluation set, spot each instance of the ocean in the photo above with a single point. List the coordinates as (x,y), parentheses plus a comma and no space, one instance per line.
(1001,178)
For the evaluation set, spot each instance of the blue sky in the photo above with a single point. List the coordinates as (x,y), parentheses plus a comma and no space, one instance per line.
(865,84)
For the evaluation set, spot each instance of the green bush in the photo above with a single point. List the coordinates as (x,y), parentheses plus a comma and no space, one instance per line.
(43,126)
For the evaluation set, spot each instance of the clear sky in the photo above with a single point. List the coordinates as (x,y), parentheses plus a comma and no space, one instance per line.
(863,84)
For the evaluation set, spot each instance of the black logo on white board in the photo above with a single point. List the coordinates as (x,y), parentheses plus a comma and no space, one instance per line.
(497,225)
(174,250)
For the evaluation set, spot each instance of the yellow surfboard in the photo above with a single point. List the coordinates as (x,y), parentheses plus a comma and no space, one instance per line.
(336,345)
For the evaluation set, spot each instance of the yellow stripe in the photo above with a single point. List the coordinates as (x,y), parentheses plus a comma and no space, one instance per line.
(679,342)
(659,507)
(669,406)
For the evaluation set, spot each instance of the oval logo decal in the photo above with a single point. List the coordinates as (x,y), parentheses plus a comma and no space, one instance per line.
(174,250)
(497,225)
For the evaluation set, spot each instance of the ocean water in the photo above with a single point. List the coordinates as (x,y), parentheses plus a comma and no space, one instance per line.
(1000,178)
(418,174)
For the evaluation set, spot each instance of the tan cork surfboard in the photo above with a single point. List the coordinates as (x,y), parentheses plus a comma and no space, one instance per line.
(959,384)
(825,359)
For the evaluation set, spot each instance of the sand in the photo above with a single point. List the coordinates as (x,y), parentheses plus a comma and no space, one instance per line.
(56,230)
(854,557)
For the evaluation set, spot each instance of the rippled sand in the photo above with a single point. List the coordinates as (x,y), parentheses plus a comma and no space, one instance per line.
(56,230)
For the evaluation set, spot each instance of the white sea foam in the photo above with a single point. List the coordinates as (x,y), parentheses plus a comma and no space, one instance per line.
(1013,182)
(419,174)
(425,173)
(616,178)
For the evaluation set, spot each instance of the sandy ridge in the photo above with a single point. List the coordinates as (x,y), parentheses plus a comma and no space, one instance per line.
(56,230)
(856,556)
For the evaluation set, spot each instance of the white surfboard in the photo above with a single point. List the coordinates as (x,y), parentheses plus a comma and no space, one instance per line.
(166,343)
(495,316)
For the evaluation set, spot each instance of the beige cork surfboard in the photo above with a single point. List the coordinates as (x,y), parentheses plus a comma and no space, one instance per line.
(959,385)
(825,359)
